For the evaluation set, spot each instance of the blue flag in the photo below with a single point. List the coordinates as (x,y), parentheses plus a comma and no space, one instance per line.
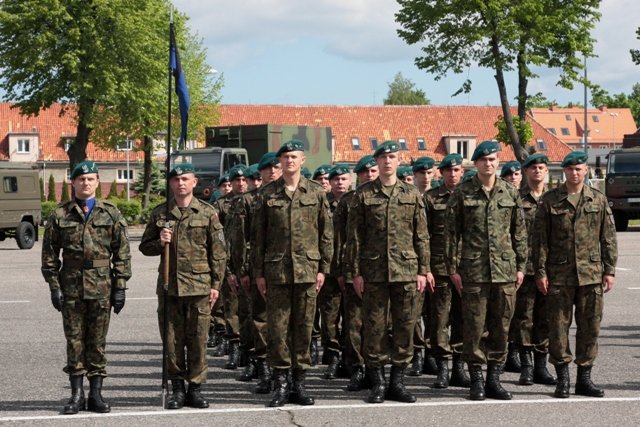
(181,85)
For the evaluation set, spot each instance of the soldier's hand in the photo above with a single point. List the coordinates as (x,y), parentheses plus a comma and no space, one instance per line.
(261,283)
(319,281)
(519,279)
(421,282)
(117,300)
(57,299)
(358,286)
(165,236)
(457,282)
(431,283)
(213,297)
(232,281)
(542,285)
(245,282)
(341,281)
(607,282)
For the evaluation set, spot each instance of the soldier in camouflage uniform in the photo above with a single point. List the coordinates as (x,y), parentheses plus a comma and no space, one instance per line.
(388,251)
(87,282)
(445,302)
(197,260)
(254,180)
(574,260)
(486,244)
(405,174)
(292,253)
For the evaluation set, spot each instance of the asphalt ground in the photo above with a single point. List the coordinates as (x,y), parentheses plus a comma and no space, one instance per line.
(33,387)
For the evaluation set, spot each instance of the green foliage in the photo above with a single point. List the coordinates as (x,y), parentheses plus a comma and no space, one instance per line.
(113,190)
(65,193)
(157,181)
(523,128)
(47,209)
(130,209)
(402,92)
(635,53)
(146,213)
(42,198)
(550,181)
(51,191)
(600,97)
(99,191)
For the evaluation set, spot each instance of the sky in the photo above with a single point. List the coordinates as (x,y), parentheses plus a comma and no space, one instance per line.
(346,52)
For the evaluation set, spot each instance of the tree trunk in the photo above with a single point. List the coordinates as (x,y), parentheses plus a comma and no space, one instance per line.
(522,84)
(148,164)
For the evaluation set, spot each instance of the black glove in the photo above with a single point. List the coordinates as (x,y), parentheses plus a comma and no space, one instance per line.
(57,299)
(117,300)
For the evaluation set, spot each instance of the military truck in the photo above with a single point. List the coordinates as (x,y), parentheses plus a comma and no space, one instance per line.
(622,185)
(20,210)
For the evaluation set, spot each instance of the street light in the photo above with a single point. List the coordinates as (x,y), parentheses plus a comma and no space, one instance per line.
(126,147)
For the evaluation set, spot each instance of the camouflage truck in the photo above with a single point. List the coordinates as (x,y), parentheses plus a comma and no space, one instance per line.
(622,185)
(20,209)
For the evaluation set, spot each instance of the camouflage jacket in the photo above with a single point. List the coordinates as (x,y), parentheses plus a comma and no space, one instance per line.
(223,208)
(387,238)
(574,246)
(238,232)
(436,208)
(493,233)
(293,236)
(333,206)
(95,252)
(340,223)
(197,254)
(529,207)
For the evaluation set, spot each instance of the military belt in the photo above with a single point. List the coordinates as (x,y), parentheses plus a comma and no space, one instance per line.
(86,264)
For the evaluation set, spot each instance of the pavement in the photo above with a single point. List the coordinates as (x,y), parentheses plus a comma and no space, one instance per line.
(33,387)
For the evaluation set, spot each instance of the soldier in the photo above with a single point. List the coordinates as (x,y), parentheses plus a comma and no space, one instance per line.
(90,279)
(423,173)
(512,172)
(388,252)
(574,259)
(405,174)
(321,175)
(292,254)
(254,180)
(530,324)
(486,244)
(197,261)
(445,302)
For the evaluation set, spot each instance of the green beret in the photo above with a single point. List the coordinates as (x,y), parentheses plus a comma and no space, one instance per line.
(338,170)
(366,162)
(321,170)
(293,145)
(575,158)
(509,168)
(421,163)
(484,149)
(535,158)
(224,178)
(238,171)
(468,175)
(453,159)
(215,196)
(305,172)
(84,168)
(268,159)
(387,147)
(181,169)
(253,172)
(404,171)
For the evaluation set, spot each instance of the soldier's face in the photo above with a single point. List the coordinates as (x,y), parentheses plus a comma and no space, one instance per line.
(536,173)
(183,185)
(340,184)
(388,164)
(271,173)
(369,174)
(84,186)
(515,178)
(291,162)
(324,181)
(487,165)
(575,173)
(224,188)
(253,183)
(452,176)
(239,185)
(423,178)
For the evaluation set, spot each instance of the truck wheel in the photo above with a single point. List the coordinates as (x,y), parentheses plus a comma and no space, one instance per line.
(25,235)
(622,220)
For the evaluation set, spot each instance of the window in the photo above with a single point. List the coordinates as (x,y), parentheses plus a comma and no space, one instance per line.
(421,144)
(595,118)
(463,149)
(565,131)
(374,143)
(567,117)
(403,143)
(541,145)
(10,184)
(604,147)
(23,145)
(552,131)
(355,142)
(124,174)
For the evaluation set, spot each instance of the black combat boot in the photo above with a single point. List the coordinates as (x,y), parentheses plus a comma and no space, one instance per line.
(234,355)
(332,368)
(194,398)
(95,402)
(584,385)
(442,380)
(76,403)
(459,376)
(417,363)
(541,374)
(212,339)
(562,388)
(513,359)
(526,368)
(313,351)
(221,342)
(178,396)
(280,388)
(430,366)
(476,388)
(357,379)
(264,377)
(493,388)
(397,391)
(344,370)
(250,370)
(299,392)
(378,385)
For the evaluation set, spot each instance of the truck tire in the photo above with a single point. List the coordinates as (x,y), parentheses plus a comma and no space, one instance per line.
(25,235)
(622,220)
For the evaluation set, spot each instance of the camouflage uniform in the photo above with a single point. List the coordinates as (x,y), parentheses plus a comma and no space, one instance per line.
(226,308)
(95,260)
(197,264)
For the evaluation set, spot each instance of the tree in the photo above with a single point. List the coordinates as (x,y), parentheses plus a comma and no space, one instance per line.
(635,53)
(157,181)
(402,92)
(51,191)
(42,198)
(601,97)
(65,192)
(504,36)
(113,190)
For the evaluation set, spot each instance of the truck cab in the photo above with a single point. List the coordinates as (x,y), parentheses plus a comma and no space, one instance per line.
(622,185)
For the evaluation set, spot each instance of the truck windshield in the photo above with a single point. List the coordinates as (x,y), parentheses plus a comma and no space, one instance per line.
(203,162)
(628,163)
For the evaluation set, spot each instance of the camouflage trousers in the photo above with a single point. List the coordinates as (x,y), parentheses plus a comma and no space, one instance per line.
(589,304)
(530,322)
(85,324)
(330,304)
(401,301)
(353,322)
(259,321)
(187,329)
(419,336)
(446,310)
(237,314)
(491,304)
(216,320)
(290,312)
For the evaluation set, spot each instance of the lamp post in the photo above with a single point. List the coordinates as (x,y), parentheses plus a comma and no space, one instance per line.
(126,148)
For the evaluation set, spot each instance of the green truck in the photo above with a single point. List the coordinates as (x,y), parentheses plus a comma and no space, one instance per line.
(622,185)
(20,210)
